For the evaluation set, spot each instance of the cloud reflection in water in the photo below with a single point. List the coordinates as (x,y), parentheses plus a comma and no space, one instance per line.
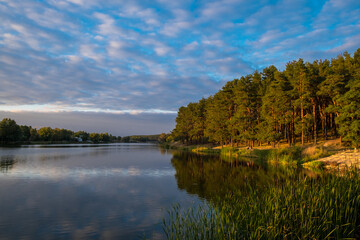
(81,173)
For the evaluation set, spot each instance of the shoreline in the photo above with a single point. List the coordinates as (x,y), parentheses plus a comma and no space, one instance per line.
(328,154)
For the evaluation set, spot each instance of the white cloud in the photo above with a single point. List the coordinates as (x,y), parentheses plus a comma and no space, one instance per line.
(191,46)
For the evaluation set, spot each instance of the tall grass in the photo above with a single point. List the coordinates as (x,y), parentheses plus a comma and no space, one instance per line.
(236,152)
(314,153)
(205,150)
(290,155)
(323,208)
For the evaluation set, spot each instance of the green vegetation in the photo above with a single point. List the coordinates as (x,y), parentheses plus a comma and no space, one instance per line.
(326,207)
(282,155)
(11,132)
(291,155)
(247,198)
(314,165)
(205,150)
(299,104)
(142,138)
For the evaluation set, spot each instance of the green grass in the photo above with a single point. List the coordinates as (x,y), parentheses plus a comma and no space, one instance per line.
(287,156)
(236,152)
(290,155)
(205,150)
(315,153)
(314,165)
(323,208)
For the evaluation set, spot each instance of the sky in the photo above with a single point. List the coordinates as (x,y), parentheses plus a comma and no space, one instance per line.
(125,67)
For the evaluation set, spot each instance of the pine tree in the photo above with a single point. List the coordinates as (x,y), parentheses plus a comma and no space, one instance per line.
(349,113)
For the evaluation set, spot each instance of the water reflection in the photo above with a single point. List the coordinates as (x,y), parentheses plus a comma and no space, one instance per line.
(108,192)
(211,177)
(115,191)
(6,163)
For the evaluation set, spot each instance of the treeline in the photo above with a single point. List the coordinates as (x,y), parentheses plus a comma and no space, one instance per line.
(299,104)
(141,138)
(11,132)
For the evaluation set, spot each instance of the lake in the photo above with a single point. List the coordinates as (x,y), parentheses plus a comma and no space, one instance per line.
(114,191)
(110,191)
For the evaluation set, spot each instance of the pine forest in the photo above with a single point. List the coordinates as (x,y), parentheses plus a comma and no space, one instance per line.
(304,102)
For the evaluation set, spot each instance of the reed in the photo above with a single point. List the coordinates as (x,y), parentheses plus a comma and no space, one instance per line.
(290,155)
(205,150)
(324,208)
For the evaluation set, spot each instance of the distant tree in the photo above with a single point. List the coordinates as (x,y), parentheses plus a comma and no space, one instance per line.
(9,131)
(25,133)
(94,137)
(125,139)
(66,135)
(162,137)
(56,135)
(170,138)
(34,136)
(45,133)
(104,137)
(82,134)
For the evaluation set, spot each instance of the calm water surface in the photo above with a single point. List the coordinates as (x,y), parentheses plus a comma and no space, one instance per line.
(113,191)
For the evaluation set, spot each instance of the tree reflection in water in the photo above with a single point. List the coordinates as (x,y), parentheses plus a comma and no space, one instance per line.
(6,163)
(211,176)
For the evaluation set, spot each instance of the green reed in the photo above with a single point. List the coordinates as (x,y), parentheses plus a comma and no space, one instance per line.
(324,208)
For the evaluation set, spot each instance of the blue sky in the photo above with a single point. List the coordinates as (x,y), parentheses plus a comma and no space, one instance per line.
(132,64)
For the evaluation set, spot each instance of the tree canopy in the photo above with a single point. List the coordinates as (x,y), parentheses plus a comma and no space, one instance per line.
(11,132)
(300,103)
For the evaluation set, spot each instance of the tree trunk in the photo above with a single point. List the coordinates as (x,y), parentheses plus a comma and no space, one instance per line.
(302,109)
(326,126)
(293,129)
(341,141)
(315,129)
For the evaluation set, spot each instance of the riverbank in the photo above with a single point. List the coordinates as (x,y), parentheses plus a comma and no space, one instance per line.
(345,159)
(325,154)
(291,204)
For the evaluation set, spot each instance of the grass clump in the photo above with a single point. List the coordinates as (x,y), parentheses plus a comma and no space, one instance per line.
(323,208)
(314,153)
(314,165)
(236,152)
(229,151)
(290,155)
(205,150)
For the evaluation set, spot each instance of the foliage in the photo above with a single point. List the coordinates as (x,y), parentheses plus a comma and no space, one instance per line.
(144,138)
(10,132)
(314,165)
(205,150)
(323,208)
(301,102)
(349,114)
(290,155)
(314,153)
